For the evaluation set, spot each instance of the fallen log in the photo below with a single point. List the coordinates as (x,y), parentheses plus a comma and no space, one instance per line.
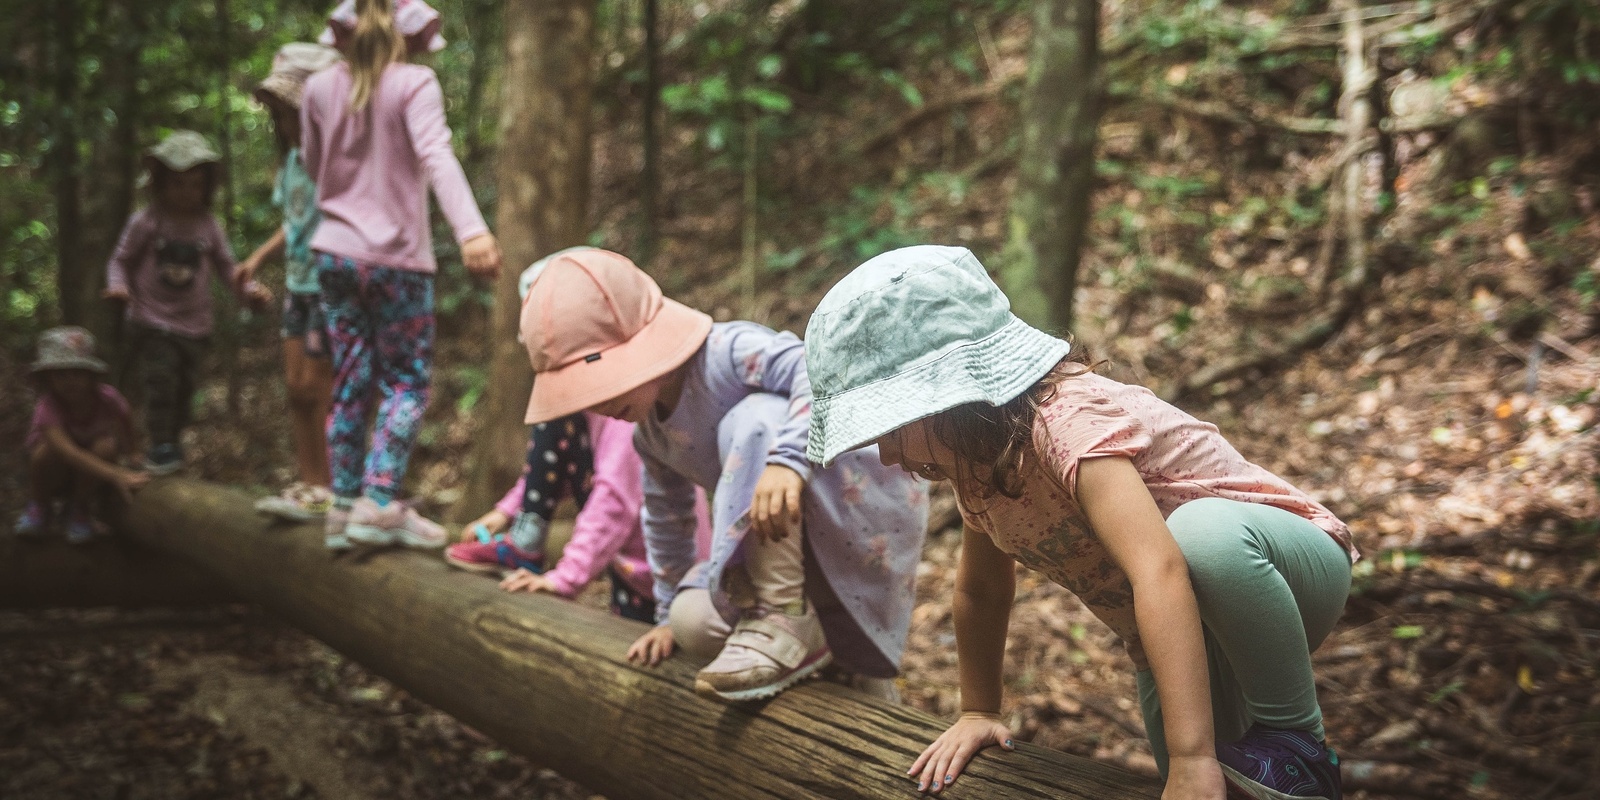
(53,574)
(548,678)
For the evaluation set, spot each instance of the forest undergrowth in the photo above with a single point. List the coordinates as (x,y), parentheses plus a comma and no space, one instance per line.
(1451,419)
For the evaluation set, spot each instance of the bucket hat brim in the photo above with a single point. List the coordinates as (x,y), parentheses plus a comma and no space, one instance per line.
(73,362)
(668,340)
(993,370)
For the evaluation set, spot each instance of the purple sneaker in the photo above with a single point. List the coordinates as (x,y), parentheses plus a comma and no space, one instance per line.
(34,521)
(1272,764)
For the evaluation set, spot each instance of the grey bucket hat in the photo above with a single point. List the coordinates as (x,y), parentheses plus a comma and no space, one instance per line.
(66,347)
(291,66)
(911,333)
(184,150)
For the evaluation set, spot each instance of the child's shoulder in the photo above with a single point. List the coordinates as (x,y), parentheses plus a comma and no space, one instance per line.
(114,401)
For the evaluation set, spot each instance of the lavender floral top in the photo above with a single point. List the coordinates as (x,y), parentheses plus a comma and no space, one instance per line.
(746,403)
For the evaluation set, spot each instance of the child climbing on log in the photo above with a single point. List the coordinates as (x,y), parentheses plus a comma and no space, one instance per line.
(591,459)
(374,138)
(81,433)
(806,566)
(1219,576)
(308,374)
(161,270)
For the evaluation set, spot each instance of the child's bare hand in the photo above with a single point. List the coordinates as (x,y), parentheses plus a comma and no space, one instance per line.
(481,254)
(939,765)
(115,293)
(652,648)
(129,481)
(775,509)
(524,580)
(258,296)
(244,273)
(493,522)
(1194,778)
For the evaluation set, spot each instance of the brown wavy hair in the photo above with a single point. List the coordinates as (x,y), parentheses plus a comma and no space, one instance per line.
(375,45)
(991,443)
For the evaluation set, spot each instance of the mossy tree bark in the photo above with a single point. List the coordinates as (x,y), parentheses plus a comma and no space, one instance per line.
(1050,208)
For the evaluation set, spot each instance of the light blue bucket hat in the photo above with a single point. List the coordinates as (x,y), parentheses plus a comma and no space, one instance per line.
(911,333)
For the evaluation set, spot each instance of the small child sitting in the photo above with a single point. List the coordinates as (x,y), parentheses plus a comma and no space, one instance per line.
(82,429)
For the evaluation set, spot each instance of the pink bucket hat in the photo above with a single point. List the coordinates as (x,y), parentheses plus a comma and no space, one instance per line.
(597,327)
(417,21)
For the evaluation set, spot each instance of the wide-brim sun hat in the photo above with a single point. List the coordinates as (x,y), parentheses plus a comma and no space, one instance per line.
(66,347)
(291,66)
(909,334)
(417,22)
(597,327)
(183,150)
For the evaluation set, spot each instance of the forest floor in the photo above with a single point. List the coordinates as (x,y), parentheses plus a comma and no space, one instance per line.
(1458,441)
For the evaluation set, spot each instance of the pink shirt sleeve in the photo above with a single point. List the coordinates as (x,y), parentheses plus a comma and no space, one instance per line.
(1092,425)
(130,246)
(610,517)
(430,135)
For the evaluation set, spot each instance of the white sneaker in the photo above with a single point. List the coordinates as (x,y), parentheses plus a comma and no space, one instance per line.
(767,652)
(300,502)
(395,523)
(333,530)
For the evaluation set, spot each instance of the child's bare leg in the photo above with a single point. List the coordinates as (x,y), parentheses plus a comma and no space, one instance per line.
(310,388)
(47,476)
(84,485)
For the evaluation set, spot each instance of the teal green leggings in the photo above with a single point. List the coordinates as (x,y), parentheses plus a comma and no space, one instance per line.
(1270,586)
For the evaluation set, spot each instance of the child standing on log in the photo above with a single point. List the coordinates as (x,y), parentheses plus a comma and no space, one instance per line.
(807,566)
(1219,576)
(81,433)
(374,138)
(308,374)
(590,458)
(161,269)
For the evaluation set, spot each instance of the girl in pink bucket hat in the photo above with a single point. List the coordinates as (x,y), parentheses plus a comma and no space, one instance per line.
(807,566)
(374,140)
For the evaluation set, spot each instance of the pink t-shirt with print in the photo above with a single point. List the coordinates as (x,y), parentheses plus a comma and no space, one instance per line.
(110,416)
(1180,458)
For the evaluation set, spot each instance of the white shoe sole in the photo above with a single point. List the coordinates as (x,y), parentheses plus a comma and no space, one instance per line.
(1241,787)
(804,671)
(285,510)
(369,535)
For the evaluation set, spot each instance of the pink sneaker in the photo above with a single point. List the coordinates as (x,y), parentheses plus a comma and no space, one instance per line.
(494,557)
(768,651)
(395,523)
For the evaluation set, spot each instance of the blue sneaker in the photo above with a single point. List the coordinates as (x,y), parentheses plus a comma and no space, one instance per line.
(1272,764)
(33,522)
(81,528)
(163,459)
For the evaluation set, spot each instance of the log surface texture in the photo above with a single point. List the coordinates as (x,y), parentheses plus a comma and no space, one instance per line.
(549,679)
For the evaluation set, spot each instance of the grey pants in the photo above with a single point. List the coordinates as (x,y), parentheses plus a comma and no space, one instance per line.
(1270,586)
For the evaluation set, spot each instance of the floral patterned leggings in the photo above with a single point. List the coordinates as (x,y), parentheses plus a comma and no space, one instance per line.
(380,332)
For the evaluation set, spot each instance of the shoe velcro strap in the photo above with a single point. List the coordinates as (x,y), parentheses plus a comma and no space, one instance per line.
(771,640)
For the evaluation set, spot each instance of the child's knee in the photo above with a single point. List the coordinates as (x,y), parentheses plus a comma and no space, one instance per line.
(105,448)
(697,626)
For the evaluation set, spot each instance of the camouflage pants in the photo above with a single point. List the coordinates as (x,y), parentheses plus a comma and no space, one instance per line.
(169,365)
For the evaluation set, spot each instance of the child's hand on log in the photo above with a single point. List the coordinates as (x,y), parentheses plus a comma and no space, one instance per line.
(525,580)
(492,523)
(775,508)
(129,481)
(652,648)
(948,755)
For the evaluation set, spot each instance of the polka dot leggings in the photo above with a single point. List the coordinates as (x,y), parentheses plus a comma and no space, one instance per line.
(560,461)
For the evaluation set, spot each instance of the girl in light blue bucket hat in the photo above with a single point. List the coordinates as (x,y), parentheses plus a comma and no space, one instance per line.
(1219,576)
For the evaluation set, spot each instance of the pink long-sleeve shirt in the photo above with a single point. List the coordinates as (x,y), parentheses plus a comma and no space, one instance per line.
(154,301)
(607,531)
(372,167)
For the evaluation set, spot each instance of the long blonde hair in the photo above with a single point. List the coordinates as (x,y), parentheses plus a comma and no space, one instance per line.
(375,44)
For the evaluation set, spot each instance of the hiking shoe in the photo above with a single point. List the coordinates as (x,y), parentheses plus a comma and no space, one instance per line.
(395,523)
(768,651)
(81,527)
(33,521)
(300,502)
(163,459)
(1272,764)
(493,557)
(333,530)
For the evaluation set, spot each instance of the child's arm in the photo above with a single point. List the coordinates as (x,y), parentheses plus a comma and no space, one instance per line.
(245,272)
(985,589)
(80,460)
(430,138)
(610,516)
(130,246)
(223,263)
(1125,518)
(776,363)
(668,518)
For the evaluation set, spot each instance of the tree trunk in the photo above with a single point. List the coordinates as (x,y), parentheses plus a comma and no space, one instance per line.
(548,678)
(76,284)
(1050,210)
(650,180)
(55,574)
(543,181)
